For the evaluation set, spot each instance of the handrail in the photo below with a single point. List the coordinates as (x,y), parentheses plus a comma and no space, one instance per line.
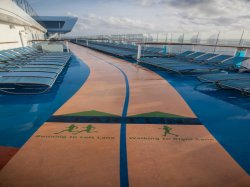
(193,44)
(182,44)
(9,42)
(45,40)
(113,39)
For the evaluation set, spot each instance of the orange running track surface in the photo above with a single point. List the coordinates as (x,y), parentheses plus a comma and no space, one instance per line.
(88,154)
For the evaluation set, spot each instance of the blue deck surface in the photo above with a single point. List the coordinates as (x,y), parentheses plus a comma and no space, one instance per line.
(226,114)
(22,115)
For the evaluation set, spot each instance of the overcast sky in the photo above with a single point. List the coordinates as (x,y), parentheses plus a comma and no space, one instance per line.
(136,16)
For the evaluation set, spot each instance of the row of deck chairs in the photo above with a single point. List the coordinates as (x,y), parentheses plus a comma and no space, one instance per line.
(233,80)
(194,62)
(235,76)
(188,62)
(27,70)
(123,50)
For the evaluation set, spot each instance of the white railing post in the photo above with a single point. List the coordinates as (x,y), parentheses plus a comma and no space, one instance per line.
(139,52)
(241,38)
(216,43)
(87,42)
(21,37)
(183,36)
(67,45)
(165,46)
(194,47)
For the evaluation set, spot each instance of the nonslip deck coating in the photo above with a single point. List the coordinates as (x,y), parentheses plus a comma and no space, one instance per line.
(120,154)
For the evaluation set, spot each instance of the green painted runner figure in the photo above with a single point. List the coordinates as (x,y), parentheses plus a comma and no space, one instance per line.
(88,129)
(167,130)
(72,129)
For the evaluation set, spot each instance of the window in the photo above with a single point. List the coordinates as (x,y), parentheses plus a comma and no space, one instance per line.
(53,24)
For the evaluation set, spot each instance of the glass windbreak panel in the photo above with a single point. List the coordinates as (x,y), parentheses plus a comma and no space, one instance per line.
(176,37)
(186,48)
(148,38)
(162,37)
(206,49)
(208,37)
(54,24)
(153,37)
(174,49)
(191,37)
(245,41)
(116,37)
(231,38)
(134,37)
(225,50)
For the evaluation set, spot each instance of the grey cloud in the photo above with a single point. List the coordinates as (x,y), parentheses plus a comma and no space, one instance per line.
(245,16)
(217,21)
(189,3)
(176,3)
(206,7)
(92,23)
(164,15)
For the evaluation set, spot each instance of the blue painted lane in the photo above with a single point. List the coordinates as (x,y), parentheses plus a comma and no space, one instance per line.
(124,181)
(22,115)
(226,114)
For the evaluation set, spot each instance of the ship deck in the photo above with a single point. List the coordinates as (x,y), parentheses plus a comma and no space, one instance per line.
(129,126)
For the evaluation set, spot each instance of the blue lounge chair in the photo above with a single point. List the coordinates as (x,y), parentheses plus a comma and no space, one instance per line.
(29,74)
(14,55)
(30,54)
(241,84)
(222,62)
(9,68)
(193,60)
(10,58)
(216,77)
(25,85)
(9,64)
(156,61)
(35,51)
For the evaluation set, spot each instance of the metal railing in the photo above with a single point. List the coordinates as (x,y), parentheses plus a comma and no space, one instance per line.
(239,38)
(225,42)
(26,7)
(23,4)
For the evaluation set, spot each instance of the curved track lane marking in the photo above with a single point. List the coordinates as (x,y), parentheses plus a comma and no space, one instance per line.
(124,181)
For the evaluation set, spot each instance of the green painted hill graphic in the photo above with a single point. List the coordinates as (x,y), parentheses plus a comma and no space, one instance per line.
(91,113)
(158,114)
(95,113)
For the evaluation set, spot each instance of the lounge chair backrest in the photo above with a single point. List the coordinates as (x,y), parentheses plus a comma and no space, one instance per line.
(153,50)
(234,61)
(8,55)
(29,50)
(218,59)
(194,55)
(25,51)
(14,53)
(19,50)
(3,58)
(4,68)
(205,57)
(186,53)
(32,49)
